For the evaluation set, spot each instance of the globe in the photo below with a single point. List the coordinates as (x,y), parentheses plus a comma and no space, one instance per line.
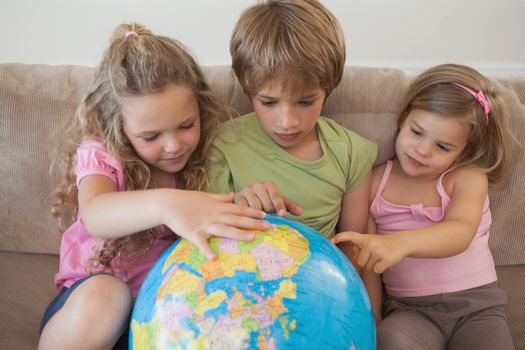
(289,288)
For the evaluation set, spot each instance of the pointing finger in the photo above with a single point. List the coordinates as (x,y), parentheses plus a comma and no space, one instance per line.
(348,236)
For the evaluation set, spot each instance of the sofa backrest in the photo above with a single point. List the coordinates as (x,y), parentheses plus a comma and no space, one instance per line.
(35,100)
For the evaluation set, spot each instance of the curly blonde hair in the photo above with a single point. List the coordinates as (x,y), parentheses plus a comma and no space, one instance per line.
(134,65)
(436,90)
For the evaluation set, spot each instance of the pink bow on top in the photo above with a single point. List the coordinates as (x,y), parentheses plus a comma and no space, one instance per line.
(480,97)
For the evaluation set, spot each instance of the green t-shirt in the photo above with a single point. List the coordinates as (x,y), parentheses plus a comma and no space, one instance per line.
(245,154)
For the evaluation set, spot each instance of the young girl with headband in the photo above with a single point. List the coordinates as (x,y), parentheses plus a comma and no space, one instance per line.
(136,156)
(430,210)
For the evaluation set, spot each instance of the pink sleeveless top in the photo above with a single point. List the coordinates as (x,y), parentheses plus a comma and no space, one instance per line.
(414,277)
(78,244)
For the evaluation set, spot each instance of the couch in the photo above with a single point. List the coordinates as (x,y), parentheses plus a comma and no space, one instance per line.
(35,99)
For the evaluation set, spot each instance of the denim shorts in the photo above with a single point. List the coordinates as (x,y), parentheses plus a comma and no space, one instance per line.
(59,301)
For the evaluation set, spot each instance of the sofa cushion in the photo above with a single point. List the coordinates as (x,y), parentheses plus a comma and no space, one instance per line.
(27,288)
(512,280)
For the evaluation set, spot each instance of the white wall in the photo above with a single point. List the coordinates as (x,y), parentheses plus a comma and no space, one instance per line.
(408,34)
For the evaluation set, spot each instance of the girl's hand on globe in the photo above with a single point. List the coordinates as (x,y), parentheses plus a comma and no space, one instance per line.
(266,196)
(376,253)
(197,216)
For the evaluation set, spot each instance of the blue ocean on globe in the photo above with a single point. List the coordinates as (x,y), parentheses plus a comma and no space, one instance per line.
(290,288)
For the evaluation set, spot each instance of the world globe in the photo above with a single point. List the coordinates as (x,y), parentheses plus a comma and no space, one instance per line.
(289,288)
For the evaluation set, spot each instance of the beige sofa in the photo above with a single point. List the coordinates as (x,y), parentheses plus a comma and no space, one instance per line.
(34,99)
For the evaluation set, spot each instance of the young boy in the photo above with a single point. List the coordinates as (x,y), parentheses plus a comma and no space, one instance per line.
(288,56)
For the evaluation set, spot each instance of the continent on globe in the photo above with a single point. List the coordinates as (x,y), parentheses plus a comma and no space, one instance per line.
(289,288)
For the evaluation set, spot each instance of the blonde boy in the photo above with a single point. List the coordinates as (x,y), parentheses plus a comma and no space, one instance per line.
(289,56)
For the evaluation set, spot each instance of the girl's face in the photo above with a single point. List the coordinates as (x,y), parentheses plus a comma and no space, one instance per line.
(429,143)
(289,117)
(163,127)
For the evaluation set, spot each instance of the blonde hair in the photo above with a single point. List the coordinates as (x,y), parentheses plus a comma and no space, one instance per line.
(487,146)
(136,63)
(300,39)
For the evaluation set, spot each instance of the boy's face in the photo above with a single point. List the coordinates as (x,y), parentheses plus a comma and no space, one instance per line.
(289,117)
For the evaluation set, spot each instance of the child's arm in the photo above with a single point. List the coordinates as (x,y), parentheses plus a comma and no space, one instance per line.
(451,237)
(266,196)
(374,287)
(193,215)
(373,282)
(354,215)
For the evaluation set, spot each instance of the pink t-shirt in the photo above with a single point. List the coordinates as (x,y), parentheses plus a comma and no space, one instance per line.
(414,277)
(77,243)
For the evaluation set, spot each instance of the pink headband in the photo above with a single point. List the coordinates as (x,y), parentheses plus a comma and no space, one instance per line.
(131,33)
(479,96)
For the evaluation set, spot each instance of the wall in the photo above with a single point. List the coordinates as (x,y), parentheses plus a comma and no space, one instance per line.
(408,34)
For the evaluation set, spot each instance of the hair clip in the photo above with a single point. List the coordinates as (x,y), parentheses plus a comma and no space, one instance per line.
(131,33)
(480,97)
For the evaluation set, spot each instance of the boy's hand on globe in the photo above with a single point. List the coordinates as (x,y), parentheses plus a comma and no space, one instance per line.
(266,196)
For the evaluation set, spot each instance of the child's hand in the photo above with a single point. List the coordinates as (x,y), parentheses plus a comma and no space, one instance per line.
(376,253)
(266,196)
(197,215)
